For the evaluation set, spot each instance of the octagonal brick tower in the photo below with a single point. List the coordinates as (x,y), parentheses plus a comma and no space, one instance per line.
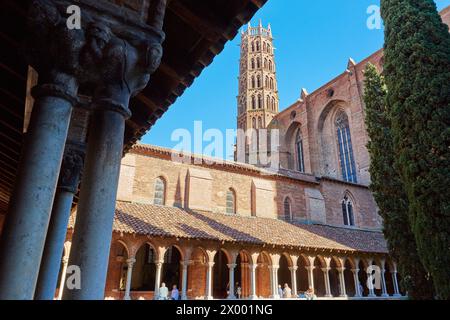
(258,90)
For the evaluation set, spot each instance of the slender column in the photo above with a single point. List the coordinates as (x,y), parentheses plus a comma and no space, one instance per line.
(65,262)
(130,264)
(358,293)
(395,281)
(294,280)
(56,235)
(209,275)
(384,292)
(253,295)
(273,290)
(343,293)
(231,268)
(326,275)
(158,265)
(275,269)
(310,270)
(371,286)
(185,265)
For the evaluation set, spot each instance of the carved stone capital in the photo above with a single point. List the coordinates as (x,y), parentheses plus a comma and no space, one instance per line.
(72,166)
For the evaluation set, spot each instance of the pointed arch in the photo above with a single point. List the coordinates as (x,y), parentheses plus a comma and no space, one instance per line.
(159,196)
(345,147)
(287,209)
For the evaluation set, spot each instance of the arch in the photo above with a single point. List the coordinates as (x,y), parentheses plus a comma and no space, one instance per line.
(270,65)
(231,201)
(265,63)
(302,274)
(349,277)
(260,101)
(171,271)
(253,82)
(258,46)
(253,63)
(144,269)
(253,102)
(264,46)
(258,81)
(299,155)
(267,82)
(242,274)
(348,210)
(253,123)
(319,277)
(221,282)
(287,209)
(345,147)
(160,190)
(258,63)
(268,101)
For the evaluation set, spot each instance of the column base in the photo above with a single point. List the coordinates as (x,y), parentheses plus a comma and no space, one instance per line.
(233,297)
(275,297)
(127,298)
(209,298)
(397,295)
(253,298)
(385,295)
(344,296)
(184,298)
(328,296)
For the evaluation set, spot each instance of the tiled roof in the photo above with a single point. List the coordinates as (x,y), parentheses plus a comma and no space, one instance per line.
(151,220)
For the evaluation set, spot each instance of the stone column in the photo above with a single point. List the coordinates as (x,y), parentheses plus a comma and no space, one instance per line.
(62,283)
(185,265)
(371,286)
(209,280)
(310,270)
(253,295)
(158,270)
(53,54)
(231,268)
(121,70)
(275,283)
(343,293)
(294,280)
(395,282)
(384,292)
(326,275)
(130,264)
(56,235)
(358,293)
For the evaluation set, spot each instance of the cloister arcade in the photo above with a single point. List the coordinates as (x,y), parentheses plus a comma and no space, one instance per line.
(138,268)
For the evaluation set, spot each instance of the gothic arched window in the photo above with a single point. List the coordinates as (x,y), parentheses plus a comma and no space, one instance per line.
(268,102)
(160,192)
(257,46)
(299,152)
(273,103)
(346,157)
(260,125)
(265,63)
(253,82)
(270,65)
(264,46)
(253,102)
(253,64)
(258,80)
(267,82)
(253,47)
(254,123)
(271,83)
(347,212)
(231,202)
(260,101)
(287,209)
(269,48)
(258,63)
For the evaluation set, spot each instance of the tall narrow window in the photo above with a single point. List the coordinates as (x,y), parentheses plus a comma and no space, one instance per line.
(258,63)
(299,152)
(160,192)
(253,102)
(231,202)
(253,82)
(254,123)
(260,102)
(346,157)
(260,125)
(258,82)
(347,212)
(287,209)
(253,64)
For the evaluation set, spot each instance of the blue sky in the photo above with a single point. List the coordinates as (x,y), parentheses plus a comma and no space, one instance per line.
(313,41)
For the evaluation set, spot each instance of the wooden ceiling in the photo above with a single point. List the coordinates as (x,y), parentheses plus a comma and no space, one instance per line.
(196,31)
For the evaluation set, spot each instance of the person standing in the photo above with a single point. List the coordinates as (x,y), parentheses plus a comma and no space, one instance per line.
(175,294)
(163,292)
(280,291)
(287,292)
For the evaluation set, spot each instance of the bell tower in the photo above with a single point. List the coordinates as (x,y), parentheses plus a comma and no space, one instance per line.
(258,89)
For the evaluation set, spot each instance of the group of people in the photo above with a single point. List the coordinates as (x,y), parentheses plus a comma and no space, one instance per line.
(163,293)
(284,293)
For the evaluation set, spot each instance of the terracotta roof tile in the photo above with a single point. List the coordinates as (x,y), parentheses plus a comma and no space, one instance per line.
(152,220)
